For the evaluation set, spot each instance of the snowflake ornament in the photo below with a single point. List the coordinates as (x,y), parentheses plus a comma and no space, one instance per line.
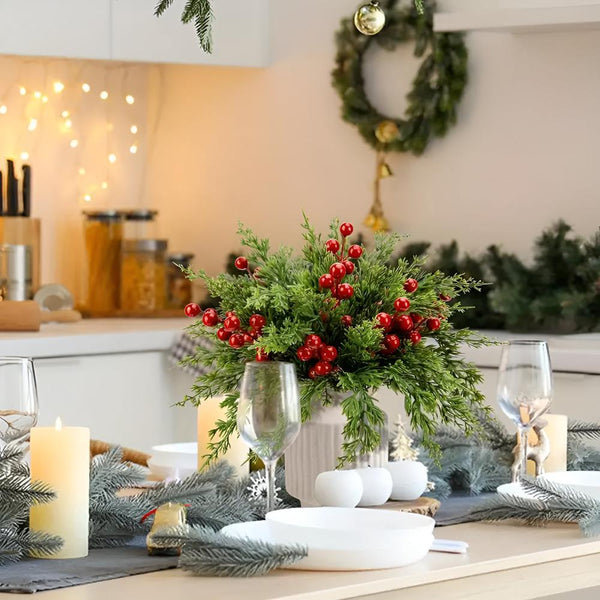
(257,490)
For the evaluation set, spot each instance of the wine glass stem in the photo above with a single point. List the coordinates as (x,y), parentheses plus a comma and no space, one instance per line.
(270,477)
(523,444)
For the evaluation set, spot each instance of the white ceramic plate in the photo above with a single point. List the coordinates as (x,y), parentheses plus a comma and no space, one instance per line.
(184,455)
(159,471)
(586,482)
(357,558)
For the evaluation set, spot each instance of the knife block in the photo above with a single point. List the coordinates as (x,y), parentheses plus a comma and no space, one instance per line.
(24,230)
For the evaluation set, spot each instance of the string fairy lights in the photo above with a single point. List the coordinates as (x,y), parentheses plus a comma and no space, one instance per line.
(68,123)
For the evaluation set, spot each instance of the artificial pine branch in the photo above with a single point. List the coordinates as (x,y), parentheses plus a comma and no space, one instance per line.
(584,430)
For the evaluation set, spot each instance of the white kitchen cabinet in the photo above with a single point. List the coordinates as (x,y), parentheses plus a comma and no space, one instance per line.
(124,398)
(65,28)
(240,34)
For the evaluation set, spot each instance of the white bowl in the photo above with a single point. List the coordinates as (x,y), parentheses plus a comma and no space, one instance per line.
(168,472)
(586,482)
(335,559)
(350,528)
(183,456)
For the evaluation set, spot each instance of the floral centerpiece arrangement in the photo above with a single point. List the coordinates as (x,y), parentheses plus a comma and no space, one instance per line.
(351,323)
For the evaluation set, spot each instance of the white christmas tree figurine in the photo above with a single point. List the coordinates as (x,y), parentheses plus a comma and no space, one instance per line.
(401,443)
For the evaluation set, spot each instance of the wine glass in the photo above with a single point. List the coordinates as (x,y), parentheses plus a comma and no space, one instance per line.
(269,414)
(524,388)
(18,399)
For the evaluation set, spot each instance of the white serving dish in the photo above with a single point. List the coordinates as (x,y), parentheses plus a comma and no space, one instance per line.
(355,558)
(353,528)
(174,460)
(514,489)
(586,482)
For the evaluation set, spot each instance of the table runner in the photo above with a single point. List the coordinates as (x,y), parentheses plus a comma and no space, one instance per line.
(36,575)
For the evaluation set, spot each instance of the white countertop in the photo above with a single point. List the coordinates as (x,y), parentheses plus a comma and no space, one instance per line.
(93,336)
(570,353)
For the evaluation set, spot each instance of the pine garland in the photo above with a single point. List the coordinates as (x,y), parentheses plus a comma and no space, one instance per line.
(439,387)
(17,494)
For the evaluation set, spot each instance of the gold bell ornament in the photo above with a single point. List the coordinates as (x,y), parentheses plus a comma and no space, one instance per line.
(167,517)
(369,18)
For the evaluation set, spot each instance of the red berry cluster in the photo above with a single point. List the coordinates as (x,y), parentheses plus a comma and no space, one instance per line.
(315,348)
(403,326)
(342,267)
(231,329)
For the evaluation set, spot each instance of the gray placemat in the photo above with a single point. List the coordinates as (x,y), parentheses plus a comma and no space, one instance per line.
(457,507)
(36,575)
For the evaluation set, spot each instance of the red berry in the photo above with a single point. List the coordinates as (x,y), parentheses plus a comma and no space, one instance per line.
(355,251)
(254,332)
(384,320)
(349,266)
(248,339)
(241,263)
(415,337)
(332,246)
(257,321)
(403,322)
(346,320)
(433,324)
(312,373)
(391,342)
(313,341)
(230,313)
(326,281)
(445,297)
(416,319)
(346,229)
(324,316)
(304,353)
(337,270)
(223,334)
(261,355)
(236,340)
(401,304)
(192,310)
(328,353)
(410,285)
(232,323)
(322,368)
(345,290)
(210,317)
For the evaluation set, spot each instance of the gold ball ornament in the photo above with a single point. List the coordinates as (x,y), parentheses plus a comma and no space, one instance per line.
(386,132)
(369,18)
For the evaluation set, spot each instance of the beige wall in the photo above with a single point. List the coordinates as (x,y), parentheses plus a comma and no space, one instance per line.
(262,145)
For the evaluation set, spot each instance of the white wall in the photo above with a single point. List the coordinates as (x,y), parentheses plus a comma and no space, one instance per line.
(262,145)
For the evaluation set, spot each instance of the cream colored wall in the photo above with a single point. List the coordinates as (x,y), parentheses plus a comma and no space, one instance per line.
(262,145)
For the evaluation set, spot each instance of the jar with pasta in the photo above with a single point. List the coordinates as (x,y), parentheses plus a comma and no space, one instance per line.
(143,275)
(103,232)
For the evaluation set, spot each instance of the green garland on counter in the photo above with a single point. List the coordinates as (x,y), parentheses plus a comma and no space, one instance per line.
(437,87)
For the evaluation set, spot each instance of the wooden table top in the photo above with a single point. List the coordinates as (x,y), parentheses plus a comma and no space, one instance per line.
(503,559)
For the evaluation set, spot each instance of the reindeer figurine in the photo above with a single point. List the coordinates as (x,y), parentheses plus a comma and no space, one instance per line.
(538,452)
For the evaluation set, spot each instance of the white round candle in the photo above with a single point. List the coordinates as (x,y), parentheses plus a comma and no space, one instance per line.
(338,488)
(209,412)
(377,486)
(409,479)
(60,457)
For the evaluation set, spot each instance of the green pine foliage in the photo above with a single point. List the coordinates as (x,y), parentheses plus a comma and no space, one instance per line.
(17,494)
(558,293)
(439,387)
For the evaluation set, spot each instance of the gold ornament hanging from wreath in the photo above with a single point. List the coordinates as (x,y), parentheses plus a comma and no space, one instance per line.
(432,101)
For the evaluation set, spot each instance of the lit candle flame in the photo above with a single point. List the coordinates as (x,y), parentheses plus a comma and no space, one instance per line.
(58,424)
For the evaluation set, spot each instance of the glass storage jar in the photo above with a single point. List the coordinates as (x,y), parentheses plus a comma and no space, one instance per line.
(103,232)
(139,224)
(179,287)
(143,275)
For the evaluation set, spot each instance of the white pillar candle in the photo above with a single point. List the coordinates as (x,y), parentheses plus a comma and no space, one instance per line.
(556,430)
(209,412)
(60,457)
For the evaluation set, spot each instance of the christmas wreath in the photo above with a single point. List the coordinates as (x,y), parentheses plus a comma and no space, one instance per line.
(437,88)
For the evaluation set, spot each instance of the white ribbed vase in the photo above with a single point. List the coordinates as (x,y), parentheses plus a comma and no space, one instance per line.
(317,448)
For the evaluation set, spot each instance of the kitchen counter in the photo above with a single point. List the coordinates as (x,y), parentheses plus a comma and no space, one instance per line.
(504,561)
(93,336)
(570,353)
